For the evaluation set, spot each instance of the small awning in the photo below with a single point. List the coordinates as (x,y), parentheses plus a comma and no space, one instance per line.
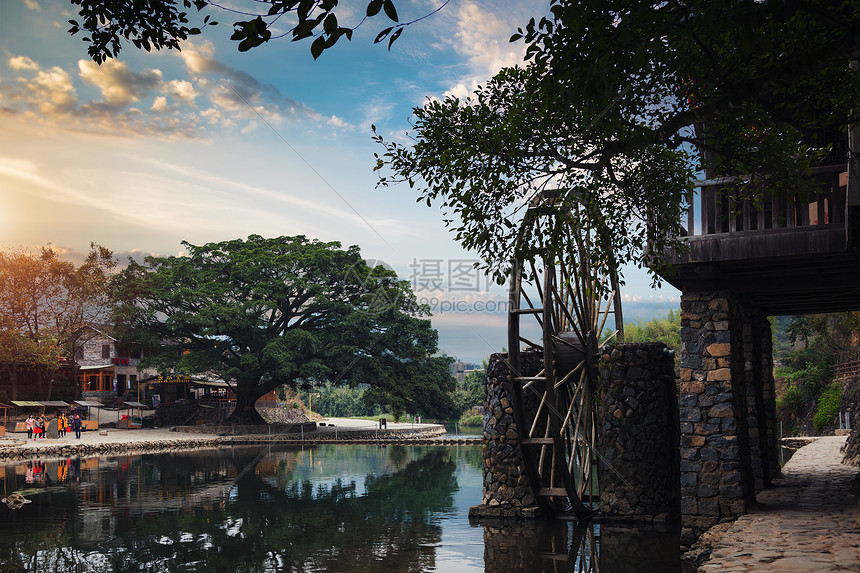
(26,403)
(135,404)
(88,403)
(97,367)
(55,403)
(211,383)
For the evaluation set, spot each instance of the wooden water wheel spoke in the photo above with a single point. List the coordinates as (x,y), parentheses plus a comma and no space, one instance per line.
(566,299)
(530,343)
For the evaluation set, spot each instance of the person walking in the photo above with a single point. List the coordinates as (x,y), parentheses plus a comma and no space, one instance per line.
(30,423)
(61,425)
(76,426)
(37,429)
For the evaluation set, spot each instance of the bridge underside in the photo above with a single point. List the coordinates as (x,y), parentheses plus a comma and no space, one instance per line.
(782,271)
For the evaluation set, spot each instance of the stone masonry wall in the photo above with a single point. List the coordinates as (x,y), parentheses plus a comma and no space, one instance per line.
(638,434)
(506,490)
(728,444)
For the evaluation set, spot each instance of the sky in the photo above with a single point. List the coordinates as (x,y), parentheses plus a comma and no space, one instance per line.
(209,144)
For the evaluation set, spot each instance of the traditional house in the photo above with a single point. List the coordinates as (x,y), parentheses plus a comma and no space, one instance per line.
(107,368)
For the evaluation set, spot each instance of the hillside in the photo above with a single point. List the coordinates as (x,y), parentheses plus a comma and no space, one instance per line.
(818,372)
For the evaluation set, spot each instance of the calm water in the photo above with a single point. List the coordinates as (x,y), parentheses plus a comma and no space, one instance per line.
(327,508)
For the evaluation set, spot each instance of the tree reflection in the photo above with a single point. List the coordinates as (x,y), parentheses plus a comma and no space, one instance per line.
(236,511)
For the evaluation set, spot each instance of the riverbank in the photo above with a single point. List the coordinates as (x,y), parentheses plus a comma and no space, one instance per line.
(807,522)
(112,441)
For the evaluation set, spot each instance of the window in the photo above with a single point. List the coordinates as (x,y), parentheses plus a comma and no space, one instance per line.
(105,350)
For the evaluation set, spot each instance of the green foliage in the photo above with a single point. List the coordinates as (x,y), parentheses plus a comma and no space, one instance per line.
(813,379)
(826,339)
(164,24)
(818,342)
(340,402)
(470,392)
(471,418)
(263,313)
(666,330)
(828,406)
(603,118)
(483,159)
(789,406)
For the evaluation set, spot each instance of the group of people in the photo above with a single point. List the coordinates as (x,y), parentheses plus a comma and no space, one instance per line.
(37,427)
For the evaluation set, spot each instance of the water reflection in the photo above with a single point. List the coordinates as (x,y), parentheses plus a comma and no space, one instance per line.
(328,508)
(544,547)
(321,509)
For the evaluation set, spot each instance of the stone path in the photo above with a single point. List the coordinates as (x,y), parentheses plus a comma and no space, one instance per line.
(808,522)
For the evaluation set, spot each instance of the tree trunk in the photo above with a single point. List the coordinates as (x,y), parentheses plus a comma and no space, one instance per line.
(12,370)
(246,412)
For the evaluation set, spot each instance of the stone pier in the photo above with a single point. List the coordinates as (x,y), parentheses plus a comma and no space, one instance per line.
(507,492)
(638,435)
(637,427)
(727,406)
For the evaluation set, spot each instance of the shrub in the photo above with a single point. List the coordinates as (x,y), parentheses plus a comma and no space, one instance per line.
(814,378)
(472,418)
(828,405)
(790,405)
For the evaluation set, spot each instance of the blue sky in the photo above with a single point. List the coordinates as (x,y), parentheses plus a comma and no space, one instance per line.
(151,149)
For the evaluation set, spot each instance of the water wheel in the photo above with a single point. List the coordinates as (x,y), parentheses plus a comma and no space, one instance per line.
(563,306)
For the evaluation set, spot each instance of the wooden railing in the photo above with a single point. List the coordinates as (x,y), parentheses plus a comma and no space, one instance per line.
(719,208)
(846,370)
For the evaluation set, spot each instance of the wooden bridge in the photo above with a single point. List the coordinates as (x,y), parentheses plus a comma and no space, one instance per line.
(750,258)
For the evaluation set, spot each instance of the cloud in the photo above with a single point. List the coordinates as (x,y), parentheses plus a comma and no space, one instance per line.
(126,102)
(33,5)
(52,91)
(481,38)
(22,63)
(181,90)
(29,172)
(119,86)
(239,92)
(159,104)
(337,122)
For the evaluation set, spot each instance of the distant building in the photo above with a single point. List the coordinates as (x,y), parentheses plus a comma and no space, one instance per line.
(460,369)
(105,367)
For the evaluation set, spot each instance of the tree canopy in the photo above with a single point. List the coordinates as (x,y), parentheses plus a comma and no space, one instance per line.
(160,24)
(262,313)
(618,108)
(44,301)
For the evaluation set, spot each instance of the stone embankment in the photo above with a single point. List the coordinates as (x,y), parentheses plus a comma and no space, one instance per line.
(807,522)
(116,442)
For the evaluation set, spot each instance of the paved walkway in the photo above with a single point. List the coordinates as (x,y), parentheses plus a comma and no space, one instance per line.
(808,522)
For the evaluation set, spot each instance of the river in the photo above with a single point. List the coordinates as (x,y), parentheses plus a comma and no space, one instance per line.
(324,508)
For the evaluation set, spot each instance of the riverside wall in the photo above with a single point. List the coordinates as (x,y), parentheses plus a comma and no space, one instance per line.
(116,442)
